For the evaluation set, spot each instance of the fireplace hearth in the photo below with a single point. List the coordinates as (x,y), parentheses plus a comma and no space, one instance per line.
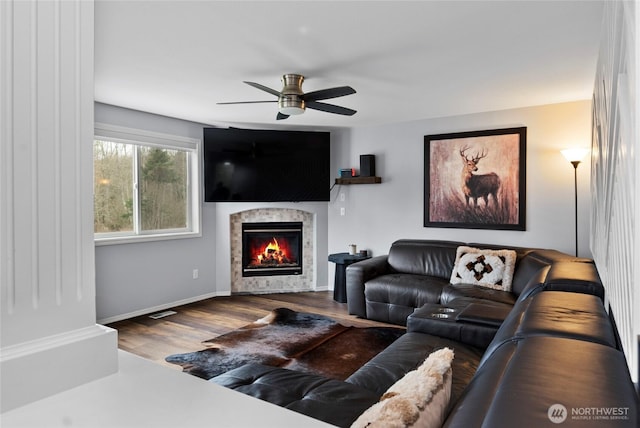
(271,248)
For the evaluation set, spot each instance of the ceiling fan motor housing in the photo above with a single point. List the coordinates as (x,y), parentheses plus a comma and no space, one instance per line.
(291,101)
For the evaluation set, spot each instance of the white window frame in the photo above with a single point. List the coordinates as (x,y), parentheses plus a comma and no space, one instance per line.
(138,137)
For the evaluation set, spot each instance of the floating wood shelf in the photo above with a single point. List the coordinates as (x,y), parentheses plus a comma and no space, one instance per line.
(359,180)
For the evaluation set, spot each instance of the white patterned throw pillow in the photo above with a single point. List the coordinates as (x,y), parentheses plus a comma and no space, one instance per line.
(486,268)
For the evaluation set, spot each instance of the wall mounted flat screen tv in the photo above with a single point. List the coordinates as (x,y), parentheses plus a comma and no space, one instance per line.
(265,165)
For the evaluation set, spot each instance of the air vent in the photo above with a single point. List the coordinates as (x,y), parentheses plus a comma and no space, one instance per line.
(162,314)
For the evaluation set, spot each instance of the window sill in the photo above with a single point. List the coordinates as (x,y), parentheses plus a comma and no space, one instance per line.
(117,240)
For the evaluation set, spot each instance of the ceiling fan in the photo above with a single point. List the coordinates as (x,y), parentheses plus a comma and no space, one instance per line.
(292,100)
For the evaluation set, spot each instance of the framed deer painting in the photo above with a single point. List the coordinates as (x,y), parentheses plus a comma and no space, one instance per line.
(476,180)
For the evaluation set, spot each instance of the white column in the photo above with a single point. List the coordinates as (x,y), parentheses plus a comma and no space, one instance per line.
(49,340)
(635,358)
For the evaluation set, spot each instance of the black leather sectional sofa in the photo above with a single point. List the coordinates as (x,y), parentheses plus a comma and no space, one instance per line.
(415,272)
(543,354)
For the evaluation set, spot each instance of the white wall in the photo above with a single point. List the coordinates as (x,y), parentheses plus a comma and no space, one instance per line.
(144,277)
(376,215)
(134,279)
(139,278)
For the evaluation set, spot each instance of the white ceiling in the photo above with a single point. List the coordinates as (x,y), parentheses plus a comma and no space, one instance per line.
(406,60)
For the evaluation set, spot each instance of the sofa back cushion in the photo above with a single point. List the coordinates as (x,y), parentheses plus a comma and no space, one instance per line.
(526,268)
(434,258)
(556,313)
(437,259)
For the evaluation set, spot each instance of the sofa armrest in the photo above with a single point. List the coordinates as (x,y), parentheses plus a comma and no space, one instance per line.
(576,277)
(359,273)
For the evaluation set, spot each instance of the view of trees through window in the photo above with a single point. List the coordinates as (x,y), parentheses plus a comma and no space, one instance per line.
(163,188)
(139,188)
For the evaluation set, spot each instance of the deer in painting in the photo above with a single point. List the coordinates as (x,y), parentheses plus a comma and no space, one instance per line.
(480,185)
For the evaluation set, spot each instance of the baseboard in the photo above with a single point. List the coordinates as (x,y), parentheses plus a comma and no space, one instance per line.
(162,307)
(194,299)
(44,367)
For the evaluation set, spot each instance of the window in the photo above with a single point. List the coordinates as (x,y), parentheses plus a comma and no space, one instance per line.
(146,185)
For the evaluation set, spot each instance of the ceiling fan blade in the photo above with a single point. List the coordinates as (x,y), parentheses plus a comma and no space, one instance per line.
(330,108)
(249,102)
(263,88)
(281,116)
(325,94)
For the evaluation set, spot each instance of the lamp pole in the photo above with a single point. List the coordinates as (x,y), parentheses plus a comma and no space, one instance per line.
(575,164)
(575,156)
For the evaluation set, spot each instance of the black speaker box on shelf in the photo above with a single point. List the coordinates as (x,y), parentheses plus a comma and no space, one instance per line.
(367,165)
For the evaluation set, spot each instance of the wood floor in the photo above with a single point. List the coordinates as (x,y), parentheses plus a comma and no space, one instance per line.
(196,322)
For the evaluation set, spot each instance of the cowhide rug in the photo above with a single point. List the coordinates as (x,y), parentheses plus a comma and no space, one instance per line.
(285,338)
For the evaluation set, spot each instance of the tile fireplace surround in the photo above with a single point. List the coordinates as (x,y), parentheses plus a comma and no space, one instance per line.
(278,283)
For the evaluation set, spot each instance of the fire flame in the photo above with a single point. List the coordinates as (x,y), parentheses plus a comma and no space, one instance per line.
(273,246)
(272,253)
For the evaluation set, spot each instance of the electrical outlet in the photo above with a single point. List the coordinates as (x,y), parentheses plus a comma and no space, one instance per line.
(342,211)
(342,197)
(195,274)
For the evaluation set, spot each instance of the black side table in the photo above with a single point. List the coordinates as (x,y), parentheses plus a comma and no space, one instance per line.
(342,260)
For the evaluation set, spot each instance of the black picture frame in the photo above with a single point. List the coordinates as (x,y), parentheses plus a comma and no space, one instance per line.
(476,179)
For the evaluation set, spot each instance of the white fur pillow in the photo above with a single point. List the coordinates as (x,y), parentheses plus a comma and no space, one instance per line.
(419,399)
(486,268)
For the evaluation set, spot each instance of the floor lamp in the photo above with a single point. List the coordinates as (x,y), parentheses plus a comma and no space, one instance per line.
(575,156)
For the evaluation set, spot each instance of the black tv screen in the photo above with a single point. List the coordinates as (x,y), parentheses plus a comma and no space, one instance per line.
(265,166)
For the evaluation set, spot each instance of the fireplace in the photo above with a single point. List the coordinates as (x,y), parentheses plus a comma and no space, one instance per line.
(272,248)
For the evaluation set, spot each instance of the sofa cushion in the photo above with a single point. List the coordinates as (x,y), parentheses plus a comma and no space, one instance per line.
(392,298)
(333,401)
(433,258)
(419,399)
(473,292)
(484,267)
(404,289)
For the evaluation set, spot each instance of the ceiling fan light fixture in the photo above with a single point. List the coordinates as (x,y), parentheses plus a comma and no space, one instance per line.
(291,111)
(291,106)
